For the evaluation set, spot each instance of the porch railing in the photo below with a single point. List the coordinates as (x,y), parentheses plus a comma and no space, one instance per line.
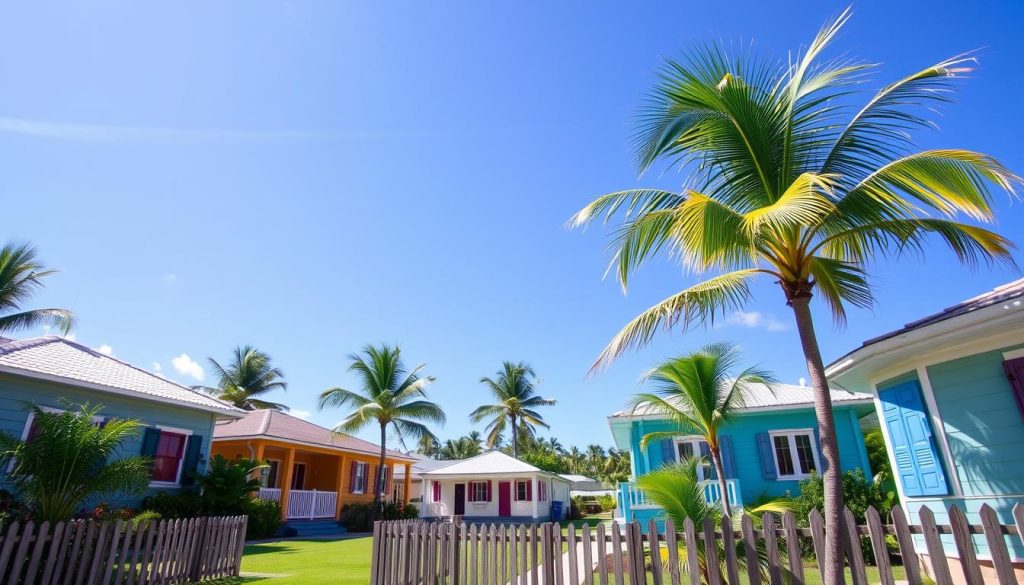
(272,494)
(310,504)
(631,496)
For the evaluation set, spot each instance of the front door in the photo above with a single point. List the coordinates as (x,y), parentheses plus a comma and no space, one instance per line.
(504,499)
(298,476)
(460,499)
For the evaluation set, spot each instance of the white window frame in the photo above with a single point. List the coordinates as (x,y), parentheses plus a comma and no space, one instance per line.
(365,469)
(277,477)
(794,454)
(31,419)
(472,487)
(696,440)
(515,494)
(181,462)
(305,475)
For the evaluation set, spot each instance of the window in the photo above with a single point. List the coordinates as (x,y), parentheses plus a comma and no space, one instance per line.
(384,483)
(687,447)
(269,479)
(358,479)
(168,456)
(795,455)
(479,491)
(542,491)
(523,490)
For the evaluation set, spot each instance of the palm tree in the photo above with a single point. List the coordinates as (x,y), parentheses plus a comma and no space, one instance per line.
(69,458)
(697,393)
(515,389)
(390,396)
(427,445)
(248,376)
(21,274)
(461,448)
(780,184)
(576,460)
(476,438)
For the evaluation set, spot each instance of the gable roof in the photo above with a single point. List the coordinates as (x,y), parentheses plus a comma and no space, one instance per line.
(271,424)
(56,359)
(760,397)
(489,463)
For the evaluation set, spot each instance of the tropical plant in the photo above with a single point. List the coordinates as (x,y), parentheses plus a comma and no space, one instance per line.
(21,275)
(247,377)
(68,458)
(228,483)
(784,183)
(461,448)
(699,393)
(515,392)
(678,490)
(428,446)
(389,396)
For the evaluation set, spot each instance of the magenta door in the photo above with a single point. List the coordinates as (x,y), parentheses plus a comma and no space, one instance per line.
(504,499)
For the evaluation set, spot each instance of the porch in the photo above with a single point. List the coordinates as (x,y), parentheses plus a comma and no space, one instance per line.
(633,503)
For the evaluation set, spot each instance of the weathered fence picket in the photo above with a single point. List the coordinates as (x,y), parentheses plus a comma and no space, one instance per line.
(422,553)
(89,552)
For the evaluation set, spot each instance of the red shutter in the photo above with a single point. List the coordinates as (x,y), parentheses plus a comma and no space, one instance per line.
(437,491)
(488,490)
(1015,372)
(529,490)
(352,478)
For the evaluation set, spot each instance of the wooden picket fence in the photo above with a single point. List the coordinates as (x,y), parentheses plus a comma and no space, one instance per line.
(89,552)
(444,553)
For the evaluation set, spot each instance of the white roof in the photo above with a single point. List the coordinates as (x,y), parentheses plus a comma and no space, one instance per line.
(59,360)
(760,397)
(576,478)
(490,463)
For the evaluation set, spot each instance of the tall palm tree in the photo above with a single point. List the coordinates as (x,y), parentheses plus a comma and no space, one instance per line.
(389,396)
(515,389)
(21,274)
(699,393)
(783,183)
(461,448)
(246,378)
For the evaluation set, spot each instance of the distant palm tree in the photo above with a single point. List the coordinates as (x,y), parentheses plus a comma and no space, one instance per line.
(476,438)
(246,378)
(781,185)
(427,445)
(461,448)
(21,275)
(700,392)
(576,460)
(390,396)
(516,394)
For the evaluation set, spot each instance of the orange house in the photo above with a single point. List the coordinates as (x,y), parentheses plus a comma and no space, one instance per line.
(313,471)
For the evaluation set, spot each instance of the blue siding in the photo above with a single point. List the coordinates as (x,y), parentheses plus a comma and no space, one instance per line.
(17,393)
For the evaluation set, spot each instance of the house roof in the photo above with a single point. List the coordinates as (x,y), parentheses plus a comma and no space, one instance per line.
(271,424)
(60,360)
(1009,293)
(423,464)
(489,463)
(761,397)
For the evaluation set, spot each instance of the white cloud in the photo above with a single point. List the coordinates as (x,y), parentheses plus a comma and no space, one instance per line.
(755,320)
(157,367)
(303,414)
(188,367)
(105,349)
(169,278)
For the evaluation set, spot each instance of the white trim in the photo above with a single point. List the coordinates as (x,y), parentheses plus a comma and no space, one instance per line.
(515,489)
(361,465)
(940,427)
(751,410)
(181,461)
(794,453)
(695,440)
(1013,354)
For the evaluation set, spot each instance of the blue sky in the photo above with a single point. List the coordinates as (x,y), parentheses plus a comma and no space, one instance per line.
(309,177)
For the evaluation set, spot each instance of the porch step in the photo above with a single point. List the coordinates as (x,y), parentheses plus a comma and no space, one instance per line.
(314,528)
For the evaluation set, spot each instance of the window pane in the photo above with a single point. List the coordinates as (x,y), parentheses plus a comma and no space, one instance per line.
(685,450)
(168,457)
(783,456)
(805,452)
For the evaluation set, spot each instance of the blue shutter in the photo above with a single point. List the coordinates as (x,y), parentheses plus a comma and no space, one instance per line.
(728,461)
(150,441)
(913,445)
(668,451)
(764,447)
(193,451)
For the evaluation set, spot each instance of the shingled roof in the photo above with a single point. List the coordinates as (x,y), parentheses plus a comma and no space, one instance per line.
(63,361)
(761,397)
(271,424)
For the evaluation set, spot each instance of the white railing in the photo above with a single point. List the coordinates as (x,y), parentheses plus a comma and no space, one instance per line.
(636,498)
(272,494)
(311,504)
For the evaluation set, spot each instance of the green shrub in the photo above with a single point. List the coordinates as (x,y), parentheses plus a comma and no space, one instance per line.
(184,504)
(577,508)
(228,484)
(607,503)
(264,518)
(145,517)
(859,493)
(356,517)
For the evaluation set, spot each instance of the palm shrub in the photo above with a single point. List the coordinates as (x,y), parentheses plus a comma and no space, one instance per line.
(514,390)
(228,484)
(787,181)
(70,458)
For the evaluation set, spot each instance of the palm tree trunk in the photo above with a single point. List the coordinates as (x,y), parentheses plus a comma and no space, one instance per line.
(829,447)
(379,488)
(515,438)
(716,460)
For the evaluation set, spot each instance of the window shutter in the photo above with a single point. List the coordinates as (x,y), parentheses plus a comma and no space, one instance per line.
(817,445)
(150,441)
(728,461)
(436,487)
(913,444)
(1015,372)
(353,469)
(668,451)
(193,451)
(764,447)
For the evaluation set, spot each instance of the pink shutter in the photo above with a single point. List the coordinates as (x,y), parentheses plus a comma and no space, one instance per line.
(529,490)
(1015,372)
(437,491)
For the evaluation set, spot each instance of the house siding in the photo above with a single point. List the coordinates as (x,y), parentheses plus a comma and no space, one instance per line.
(16,394)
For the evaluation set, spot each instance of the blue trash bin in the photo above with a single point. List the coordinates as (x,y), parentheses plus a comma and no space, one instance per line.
(556,510)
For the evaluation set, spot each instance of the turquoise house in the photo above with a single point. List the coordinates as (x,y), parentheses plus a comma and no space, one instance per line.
(949,390)
(55,373)
(766,451)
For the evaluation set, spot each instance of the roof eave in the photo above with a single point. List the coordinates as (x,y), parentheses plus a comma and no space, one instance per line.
(311,444)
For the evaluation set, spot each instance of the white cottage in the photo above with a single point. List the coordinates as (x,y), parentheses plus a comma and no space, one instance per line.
(494,487)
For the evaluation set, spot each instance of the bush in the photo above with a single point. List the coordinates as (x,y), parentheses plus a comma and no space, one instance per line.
(227,485)
(356,517)
(859,494)
(607,503)
(184,504)
(144,517)
(264,518)
(12,509)
(103,513)
(577,508)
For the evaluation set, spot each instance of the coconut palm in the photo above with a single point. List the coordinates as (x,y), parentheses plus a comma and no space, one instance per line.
(248,376)
(427,445)
(21,275)
(461,448)
(784,183)
(700,392)
(69,458)
(515,389)
(390,396)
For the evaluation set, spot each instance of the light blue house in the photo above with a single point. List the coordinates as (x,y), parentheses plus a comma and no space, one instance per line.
(949,390)
(54,373)
(766,451)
